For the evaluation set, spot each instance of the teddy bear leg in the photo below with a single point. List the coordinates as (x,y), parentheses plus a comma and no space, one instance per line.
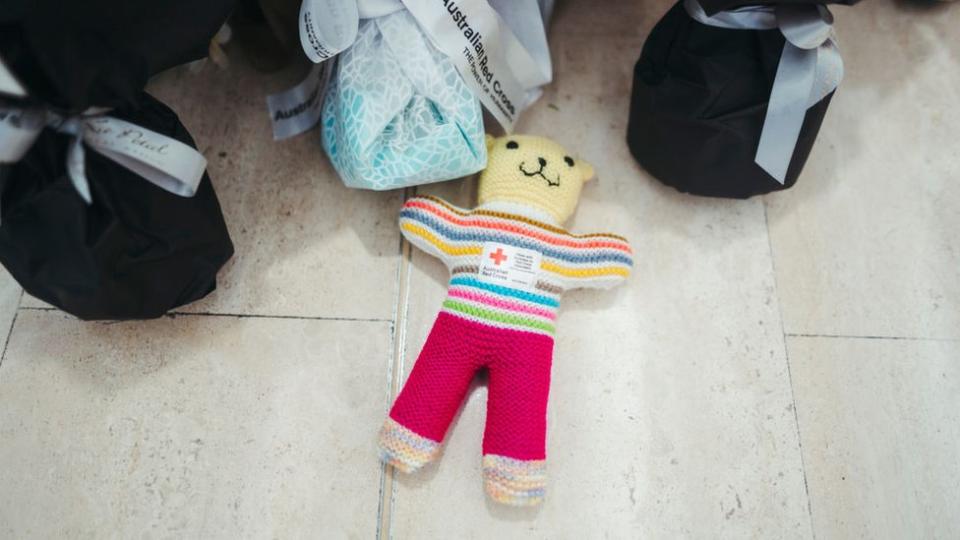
(514,441)
(516,482)
(405,449)
(413,432)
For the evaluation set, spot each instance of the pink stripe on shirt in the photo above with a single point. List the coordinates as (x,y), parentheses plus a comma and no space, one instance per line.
(498,303)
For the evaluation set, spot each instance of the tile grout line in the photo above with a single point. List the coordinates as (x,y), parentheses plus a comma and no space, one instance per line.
(175,314)
(890,338)
(13,322)
(401,357)
(397,377)
(394,377)
(786,354)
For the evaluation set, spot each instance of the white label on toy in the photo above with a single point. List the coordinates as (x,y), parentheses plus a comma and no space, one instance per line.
(298,109)
(510,266)
(8,83)
(327,27)
(478,42)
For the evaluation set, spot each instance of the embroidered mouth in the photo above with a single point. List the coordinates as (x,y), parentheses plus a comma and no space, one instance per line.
(528,174)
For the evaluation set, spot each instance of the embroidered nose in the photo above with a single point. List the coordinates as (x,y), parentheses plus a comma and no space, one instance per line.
(543,162)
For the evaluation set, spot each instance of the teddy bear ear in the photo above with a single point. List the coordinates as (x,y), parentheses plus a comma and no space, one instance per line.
(490,141)
(588,172)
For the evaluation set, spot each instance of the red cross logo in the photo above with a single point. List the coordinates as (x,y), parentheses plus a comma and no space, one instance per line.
(498,257)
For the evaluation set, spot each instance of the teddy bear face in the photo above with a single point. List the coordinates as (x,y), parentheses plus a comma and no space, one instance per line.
(533,171)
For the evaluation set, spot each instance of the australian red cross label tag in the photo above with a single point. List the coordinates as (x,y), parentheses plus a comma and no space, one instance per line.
(509,266)
(298,109)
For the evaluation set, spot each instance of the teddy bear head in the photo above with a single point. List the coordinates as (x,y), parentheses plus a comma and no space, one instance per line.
(533,171)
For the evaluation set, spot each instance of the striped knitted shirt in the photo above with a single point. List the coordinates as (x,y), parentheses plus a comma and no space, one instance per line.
(460,237)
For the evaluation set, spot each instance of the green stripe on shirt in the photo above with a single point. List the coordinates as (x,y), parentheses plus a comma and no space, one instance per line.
(496,316)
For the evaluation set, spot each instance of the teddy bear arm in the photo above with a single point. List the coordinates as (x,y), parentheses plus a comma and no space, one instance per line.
(611,264)
(595,282)
(424,223)
(425,240)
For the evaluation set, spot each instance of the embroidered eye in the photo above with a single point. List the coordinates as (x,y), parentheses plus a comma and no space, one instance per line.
(512,145)
(569,160)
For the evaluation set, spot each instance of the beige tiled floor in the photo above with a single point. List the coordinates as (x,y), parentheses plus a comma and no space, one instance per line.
(783,367)
(195,426)
(867,244)
(880,426)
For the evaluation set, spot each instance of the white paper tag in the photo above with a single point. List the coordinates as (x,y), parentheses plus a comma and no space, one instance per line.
(371,9)
(474,37)
(298,109)
(509,266)
(161,160)
(327,27)
(528,53)
(9,84)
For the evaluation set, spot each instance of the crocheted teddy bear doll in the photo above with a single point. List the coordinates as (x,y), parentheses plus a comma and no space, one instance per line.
(509,260)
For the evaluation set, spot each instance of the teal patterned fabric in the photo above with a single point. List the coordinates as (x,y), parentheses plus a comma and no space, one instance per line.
(397,112)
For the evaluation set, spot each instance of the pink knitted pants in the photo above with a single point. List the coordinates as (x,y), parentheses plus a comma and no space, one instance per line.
(514,440)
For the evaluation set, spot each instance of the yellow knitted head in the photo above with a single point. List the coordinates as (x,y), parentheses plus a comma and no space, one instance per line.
(533,171)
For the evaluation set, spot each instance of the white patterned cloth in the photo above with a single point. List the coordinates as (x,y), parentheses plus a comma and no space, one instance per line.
(397,112)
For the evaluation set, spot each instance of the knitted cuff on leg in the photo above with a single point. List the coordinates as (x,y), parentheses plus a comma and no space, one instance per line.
(403,448)
(514,481)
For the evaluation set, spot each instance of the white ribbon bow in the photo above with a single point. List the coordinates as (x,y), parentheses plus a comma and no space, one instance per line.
(161,160)
(810,68)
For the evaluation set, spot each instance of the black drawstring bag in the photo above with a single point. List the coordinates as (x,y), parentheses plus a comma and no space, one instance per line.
(699,99)
(135,252)
(712,7)
(80,54)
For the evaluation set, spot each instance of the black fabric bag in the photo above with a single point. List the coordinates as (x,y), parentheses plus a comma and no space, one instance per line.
(699,99)
(78,54)
(135,252)
(267,32)
(712,7)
